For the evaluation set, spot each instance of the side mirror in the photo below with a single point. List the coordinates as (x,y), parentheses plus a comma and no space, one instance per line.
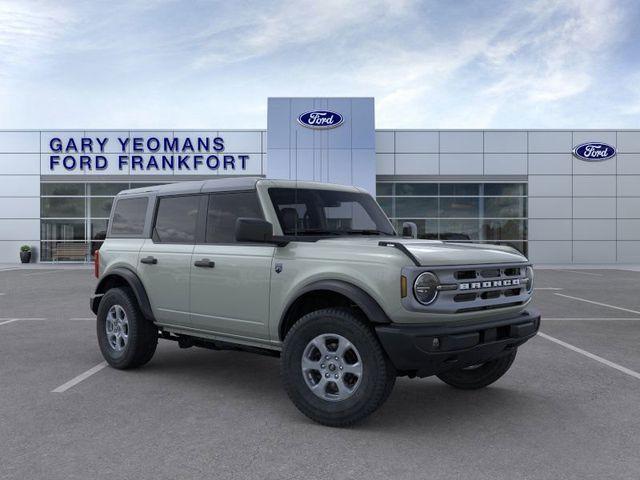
(253,230)
(409,229)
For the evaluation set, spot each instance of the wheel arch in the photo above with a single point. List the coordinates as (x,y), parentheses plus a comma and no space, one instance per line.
(119,277)
(326,293)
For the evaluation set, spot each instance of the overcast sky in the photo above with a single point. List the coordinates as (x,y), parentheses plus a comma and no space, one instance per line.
(431,64)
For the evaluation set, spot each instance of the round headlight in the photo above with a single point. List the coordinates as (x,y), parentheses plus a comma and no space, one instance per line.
(425,288)
(529,274)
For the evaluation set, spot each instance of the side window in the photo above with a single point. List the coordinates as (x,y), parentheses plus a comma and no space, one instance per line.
(129,215)
(176,219)
(224,210)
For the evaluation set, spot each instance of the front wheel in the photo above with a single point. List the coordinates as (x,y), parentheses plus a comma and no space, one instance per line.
(479,376)
(334,369)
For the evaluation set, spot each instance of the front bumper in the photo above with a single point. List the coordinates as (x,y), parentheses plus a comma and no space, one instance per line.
(424,350)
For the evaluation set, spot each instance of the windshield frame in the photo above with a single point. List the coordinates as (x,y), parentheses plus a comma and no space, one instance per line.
(383,226)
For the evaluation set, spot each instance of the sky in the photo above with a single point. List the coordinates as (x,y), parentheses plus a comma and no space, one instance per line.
(430,64)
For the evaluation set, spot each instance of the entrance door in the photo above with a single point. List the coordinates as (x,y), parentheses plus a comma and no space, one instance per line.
(230,280)
(164,262)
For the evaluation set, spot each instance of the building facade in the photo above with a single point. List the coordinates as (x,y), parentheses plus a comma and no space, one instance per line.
(536,190)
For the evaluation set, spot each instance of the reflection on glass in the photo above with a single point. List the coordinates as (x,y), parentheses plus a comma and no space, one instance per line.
(416,207)
(459,189)
(384,188)
(62,230)
(106,189)
(496,189)
(425,189)
(512,229)
(459,230)
(501,207)
(67,251)
(101,206)
(62,189)
(64,207)
(459,207)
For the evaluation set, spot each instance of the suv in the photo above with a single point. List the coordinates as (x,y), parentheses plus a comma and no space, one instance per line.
(315,274)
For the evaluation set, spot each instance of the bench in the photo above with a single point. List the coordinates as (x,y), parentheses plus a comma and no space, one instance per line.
(70,251)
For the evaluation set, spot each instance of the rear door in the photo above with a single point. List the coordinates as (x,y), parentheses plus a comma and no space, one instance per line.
(230,280)
(164,263)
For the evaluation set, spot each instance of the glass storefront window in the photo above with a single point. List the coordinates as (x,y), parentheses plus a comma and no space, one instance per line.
(62,207)
(100,206)
(73,218)
(464,212)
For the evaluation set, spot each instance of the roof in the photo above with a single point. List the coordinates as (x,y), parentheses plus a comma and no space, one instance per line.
(226,184)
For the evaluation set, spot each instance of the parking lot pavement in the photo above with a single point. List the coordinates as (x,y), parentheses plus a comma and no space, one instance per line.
(197,413)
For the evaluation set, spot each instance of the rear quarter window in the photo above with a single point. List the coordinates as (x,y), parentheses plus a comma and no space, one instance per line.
(128,216)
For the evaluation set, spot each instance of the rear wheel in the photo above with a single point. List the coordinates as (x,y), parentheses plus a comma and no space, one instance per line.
(479,376)
(125,337)
(334,369)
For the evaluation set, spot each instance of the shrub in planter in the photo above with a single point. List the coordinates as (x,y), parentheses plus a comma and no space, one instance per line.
(25,254)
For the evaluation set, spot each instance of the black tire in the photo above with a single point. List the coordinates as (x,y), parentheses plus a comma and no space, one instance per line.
(378,374)
(142,334)
(473,378)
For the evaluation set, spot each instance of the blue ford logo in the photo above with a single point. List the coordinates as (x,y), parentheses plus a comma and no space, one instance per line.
(594,151)
(321,119)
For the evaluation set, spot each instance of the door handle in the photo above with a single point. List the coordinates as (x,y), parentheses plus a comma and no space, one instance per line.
(149,260)
(205,262)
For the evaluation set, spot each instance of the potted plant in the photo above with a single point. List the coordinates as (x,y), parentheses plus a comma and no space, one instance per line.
(25,254)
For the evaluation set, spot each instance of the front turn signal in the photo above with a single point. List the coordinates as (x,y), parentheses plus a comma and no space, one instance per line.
(403,286)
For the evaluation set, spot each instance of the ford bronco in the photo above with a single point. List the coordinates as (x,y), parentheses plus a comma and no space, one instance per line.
(314,274)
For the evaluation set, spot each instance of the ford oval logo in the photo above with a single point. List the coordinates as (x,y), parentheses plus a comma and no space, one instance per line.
(321,119)
(594,151)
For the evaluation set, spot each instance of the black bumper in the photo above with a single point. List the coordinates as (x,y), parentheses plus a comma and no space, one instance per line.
(424,350)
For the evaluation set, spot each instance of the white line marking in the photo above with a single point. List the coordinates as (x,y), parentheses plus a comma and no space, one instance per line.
(40,273)
(547,288)
(83,376)
(576,271)
(599,319)
(83,318)
(598,303)
(591,356)
(9,321)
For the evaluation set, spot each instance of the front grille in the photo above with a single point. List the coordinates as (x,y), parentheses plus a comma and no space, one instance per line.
(465,289)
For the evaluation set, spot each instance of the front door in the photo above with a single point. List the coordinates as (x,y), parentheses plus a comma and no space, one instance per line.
(230,280)
(164,262)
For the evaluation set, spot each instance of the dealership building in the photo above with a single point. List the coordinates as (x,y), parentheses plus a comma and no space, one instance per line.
(560,196)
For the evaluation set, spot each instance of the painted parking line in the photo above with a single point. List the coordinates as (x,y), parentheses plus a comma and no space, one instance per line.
(11,320)
(592,356)
(76,380)
(40,273)
(547,288)
(577,271)
(598,303)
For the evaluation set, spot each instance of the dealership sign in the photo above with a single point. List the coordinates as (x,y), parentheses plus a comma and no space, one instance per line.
(320,119)
(142,154)
(594,151)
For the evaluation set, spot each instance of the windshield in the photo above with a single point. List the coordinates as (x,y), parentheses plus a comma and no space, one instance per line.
(307,211)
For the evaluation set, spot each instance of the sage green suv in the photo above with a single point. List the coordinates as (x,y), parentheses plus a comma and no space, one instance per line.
(315,274)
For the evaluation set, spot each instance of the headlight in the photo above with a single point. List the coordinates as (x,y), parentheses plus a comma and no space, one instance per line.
(425,288)
(529,274)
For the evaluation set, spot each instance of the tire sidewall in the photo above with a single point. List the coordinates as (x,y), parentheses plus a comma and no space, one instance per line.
(118,296)
(319,323)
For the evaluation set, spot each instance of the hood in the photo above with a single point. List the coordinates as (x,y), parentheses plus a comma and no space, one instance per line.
(436,253)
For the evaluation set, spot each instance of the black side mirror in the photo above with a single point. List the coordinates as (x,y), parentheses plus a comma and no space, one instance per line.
(409,229)
(254,230)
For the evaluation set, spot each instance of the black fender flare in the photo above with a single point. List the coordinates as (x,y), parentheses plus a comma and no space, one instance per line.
(358,296)
(133,281)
